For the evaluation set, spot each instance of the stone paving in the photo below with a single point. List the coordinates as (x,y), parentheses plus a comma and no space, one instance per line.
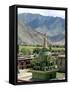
(60,76)
(26,75)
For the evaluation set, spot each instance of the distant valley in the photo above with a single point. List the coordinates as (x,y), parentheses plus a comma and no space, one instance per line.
(31,28)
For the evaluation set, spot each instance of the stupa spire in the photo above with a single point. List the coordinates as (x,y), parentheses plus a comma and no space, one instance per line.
(45,41)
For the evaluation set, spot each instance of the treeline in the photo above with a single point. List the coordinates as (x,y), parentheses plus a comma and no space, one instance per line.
(57,46)
(32,45)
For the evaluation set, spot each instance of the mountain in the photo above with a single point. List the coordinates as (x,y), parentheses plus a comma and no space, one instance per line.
(28,36)
(32,26)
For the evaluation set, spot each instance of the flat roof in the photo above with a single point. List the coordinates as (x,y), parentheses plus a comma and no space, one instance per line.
(24,58)
(62,56)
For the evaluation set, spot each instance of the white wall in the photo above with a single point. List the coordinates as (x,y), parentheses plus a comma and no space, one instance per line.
(4,44)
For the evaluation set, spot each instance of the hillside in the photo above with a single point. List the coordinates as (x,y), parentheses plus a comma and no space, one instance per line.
(32,26)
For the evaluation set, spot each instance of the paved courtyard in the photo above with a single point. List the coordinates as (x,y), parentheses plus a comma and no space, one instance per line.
(26,75)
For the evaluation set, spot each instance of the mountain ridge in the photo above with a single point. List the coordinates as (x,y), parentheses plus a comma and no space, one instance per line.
(53,26)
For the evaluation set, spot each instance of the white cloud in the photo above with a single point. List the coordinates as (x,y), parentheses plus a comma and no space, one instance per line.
(46,12)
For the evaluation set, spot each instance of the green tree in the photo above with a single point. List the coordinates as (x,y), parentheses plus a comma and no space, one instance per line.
(26,51)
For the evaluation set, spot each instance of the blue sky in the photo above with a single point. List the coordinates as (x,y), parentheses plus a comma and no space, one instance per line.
(54,13)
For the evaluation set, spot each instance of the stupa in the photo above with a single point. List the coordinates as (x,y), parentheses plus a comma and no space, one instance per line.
(44,67)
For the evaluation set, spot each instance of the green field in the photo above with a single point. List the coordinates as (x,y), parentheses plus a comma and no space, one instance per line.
(34,47)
